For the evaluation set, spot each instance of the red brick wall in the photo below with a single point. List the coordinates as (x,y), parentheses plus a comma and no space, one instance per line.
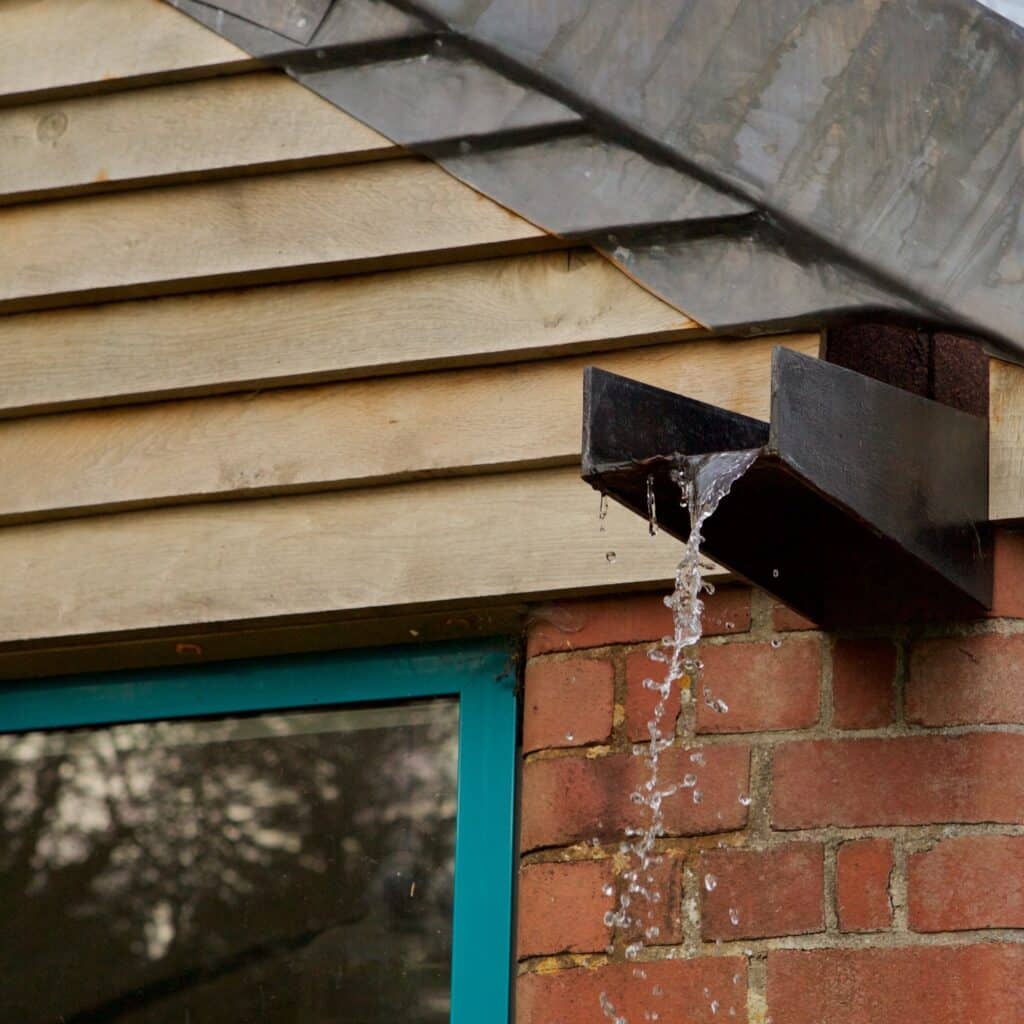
(861,816)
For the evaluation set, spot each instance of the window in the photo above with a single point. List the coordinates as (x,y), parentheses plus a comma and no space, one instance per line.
(288,840)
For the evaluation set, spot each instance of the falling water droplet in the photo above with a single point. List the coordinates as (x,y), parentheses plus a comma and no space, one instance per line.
(776,643)
(570,737)
(652,509)
(746,799)
(697,757)
(710,883)
(689,781)
(714,1006)
(734,916)
(775,573)
(698,796)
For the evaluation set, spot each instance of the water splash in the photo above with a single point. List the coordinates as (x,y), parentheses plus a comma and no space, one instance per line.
(703,482)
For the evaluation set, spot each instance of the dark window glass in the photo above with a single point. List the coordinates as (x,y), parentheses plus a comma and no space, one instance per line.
(286,867)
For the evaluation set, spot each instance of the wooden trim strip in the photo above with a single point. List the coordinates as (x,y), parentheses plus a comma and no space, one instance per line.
(240,125)
(1006,441)
(348,435)
(453,622)
(69,47)
(277,561)
(254,230)
(465,314)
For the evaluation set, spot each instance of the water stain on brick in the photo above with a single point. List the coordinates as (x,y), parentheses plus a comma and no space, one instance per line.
(569,799)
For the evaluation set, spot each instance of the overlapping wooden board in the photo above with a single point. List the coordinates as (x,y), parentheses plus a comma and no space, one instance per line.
(423,462)
(465,314)
(274,560)
(55,47)
(223,126)
(351,434)
(248,231)
(1006,441)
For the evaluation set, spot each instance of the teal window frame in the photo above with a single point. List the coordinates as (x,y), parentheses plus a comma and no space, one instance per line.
(479,674)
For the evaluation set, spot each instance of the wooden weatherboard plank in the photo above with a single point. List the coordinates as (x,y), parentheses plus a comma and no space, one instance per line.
(1006,441)
(277,559)
(198,129)
(344,435)
(68,46)
(249,230)
(520,307)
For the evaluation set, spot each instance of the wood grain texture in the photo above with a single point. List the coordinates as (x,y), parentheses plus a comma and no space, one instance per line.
(349,435)
(60,47)
(1006,441)
(502,309)
(275,560)
(249,230)
(218,127)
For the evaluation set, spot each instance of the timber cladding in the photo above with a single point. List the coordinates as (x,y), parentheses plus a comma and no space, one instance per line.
(258,365)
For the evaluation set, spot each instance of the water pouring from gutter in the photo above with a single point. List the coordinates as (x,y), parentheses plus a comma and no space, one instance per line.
(818,507)
(703,481)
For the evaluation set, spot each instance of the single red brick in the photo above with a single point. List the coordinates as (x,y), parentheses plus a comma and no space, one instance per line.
(786,620)
(574,625)
(863,868)
(666,915)
(562,907)
(758,894)
(967,882)
(1008,578)
(700,991)
(967,680)
(640,701)
(570,799)
(931,984)
(863,683)
(764,687)
(907,780)
(568,703)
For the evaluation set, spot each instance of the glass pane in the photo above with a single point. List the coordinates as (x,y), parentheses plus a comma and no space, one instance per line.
(278,868)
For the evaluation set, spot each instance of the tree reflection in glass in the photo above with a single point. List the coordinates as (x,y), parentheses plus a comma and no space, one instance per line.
(284,867)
